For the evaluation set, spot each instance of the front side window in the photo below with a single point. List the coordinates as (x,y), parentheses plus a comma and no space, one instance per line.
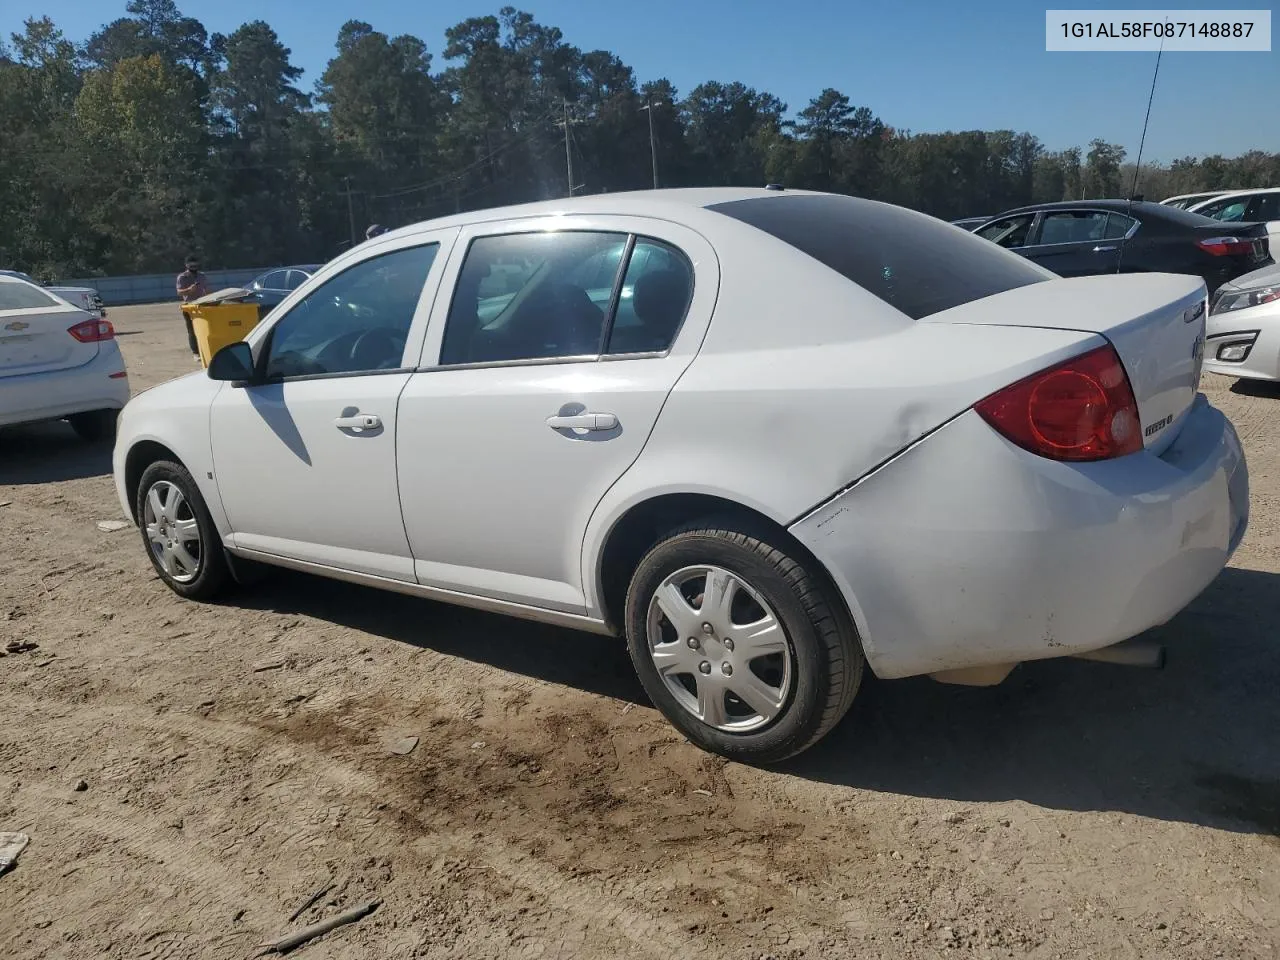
(1072,226)
(531,296)
(356,322)
(296,279)
(1010,232)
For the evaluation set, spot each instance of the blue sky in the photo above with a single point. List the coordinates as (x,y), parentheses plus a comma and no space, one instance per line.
(922,65)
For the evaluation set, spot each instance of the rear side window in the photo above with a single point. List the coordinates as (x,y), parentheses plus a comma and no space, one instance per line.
(914,263)
(22,296)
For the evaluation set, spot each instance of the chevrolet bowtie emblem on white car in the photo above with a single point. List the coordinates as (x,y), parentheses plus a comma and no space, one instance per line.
(16,325)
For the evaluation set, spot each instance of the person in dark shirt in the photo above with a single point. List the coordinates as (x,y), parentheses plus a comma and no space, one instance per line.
(192,285)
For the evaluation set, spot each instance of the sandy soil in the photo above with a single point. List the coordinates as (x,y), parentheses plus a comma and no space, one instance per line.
(233,759)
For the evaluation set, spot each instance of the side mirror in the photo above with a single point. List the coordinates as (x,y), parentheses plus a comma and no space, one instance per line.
(234,363)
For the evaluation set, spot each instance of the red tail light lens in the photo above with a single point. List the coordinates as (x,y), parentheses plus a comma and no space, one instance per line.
(1226,246)
(92,331)
(1083,409)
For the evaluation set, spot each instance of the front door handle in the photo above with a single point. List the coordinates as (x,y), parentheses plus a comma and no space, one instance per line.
(1103,249)
(361,421)
(584,421)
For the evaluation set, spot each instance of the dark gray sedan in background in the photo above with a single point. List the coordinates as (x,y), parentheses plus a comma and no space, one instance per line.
(273,286)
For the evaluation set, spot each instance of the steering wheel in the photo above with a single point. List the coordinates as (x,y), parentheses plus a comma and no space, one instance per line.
(373,349)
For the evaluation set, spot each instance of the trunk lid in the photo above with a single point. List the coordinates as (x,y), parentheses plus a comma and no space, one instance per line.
(1155,321)
(33,332)
(1259,252)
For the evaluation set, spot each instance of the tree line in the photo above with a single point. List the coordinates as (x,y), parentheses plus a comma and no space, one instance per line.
(155,138)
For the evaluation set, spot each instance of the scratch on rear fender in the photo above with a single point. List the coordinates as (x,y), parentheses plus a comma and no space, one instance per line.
(822,523)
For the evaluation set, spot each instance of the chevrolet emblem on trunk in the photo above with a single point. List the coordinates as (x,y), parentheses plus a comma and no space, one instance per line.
(16,325)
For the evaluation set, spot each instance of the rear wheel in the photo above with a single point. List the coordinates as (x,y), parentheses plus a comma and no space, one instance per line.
(738,644)
(96,425)
(178,532)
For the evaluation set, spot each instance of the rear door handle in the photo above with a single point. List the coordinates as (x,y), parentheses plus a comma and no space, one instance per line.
(583,421)
(361,421)
(1103,249)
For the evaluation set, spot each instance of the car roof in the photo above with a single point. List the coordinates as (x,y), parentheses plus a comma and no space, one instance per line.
(652,203)
(1228,194)
(1119,206)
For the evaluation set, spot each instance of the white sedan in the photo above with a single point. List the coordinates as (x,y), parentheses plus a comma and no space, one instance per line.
(770,437)
(84,297)
(1243,330)
(57,361)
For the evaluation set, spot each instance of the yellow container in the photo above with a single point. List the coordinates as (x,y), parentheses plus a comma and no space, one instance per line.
(217,324)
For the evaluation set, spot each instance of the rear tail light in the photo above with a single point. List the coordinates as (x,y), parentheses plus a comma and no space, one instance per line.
(1226,246)
(1083,409)
(92,331)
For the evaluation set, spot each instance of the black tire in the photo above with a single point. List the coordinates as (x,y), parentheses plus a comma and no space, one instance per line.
(825,653)
(212,573)
(96,425)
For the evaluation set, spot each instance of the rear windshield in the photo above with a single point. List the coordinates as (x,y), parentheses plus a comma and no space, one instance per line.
(23,296)
(914,263)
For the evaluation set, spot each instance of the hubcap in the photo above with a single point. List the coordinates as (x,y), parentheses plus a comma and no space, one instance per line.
(172,532)
(719,648)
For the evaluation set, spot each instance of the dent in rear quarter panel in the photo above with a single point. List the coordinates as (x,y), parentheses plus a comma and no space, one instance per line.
(967,551)
(781,430)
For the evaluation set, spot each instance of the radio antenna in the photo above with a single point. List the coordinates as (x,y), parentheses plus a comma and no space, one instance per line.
(1143,142)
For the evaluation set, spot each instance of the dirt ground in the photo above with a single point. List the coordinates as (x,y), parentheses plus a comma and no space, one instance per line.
(190,774)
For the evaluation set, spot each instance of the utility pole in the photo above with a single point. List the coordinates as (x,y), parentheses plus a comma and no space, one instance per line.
(568,150)
(351,210)
(568,154)
(653,144)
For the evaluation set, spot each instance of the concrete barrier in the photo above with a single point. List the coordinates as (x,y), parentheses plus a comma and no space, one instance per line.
(156,287)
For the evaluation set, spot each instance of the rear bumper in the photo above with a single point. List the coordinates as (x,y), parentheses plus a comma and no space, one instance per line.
(967,551)
(61,393)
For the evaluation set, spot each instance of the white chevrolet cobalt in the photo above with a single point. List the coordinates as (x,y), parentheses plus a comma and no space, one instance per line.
(768,436)
(57,361)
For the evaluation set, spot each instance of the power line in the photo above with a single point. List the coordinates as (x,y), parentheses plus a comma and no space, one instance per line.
(459,174)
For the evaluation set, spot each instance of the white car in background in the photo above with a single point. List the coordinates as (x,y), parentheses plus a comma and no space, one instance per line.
(768,436)
(1185,200)
(86,298)
(1242,335)
(57,361)
(1244,206)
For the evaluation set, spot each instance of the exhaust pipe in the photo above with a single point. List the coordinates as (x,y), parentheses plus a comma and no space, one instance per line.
(1128,653)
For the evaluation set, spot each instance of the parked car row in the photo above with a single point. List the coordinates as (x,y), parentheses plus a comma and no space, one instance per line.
(1090,237)
(86,298)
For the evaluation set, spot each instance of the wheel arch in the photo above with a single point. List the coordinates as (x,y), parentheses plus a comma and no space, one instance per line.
(141,455)
(642,524)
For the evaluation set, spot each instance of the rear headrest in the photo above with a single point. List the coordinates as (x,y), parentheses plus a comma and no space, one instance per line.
(660,296)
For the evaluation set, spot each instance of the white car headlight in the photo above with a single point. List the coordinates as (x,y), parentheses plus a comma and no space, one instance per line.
(1229,300)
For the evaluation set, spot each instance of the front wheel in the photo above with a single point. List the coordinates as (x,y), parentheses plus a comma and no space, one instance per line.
(178,532)
(738,644)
